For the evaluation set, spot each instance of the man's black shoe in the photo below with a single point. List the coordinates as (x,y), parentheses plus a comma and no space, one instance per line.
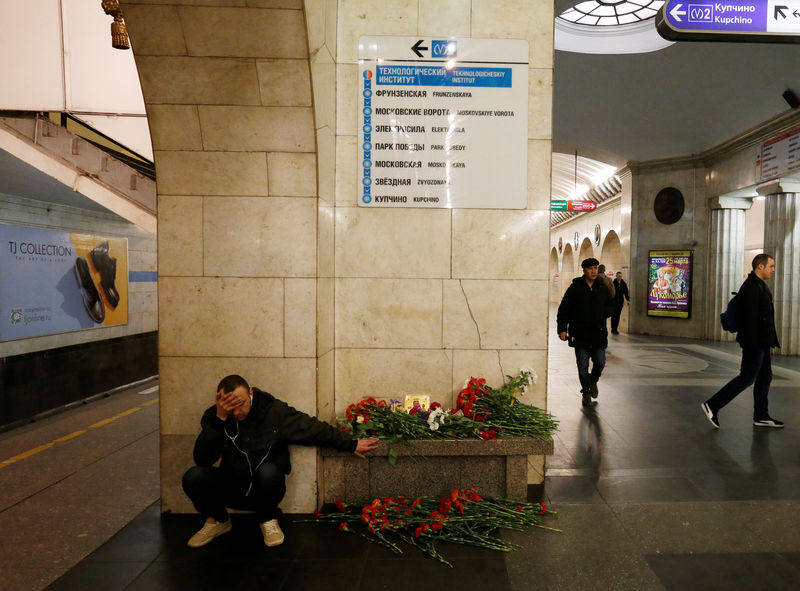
(614,332)
(768,422)
(711,415)
(593,390)
(91,298)
(586,400)
(107,267)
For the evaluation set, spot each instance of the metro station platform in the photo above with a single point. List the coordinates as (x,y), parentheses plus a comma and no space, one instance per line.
(649,496)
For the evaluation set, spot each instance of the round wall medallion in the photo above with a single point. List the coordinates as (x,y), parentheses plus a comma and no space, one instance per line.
(597,234)
(560,244)
(668,205)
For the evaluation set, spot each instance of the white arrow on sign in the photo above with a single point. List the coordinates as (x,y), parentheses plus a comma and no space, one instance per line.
(676,12)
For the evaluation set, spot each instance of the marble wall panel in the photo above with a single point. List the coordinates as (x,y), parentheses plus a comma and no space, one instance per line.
(292,174)
(155,30)
(500,244)
(244,33)
(325,322)
(365,17)
(256,237)
(540,160)
(174,127)
(540,103)
(176,457)
(301,318)
(210,317)
(271,129)
(301,483)
(323,75)
(284,83)
(392,373)
(392,242)
(389,313)
(325,241)
(346,180)
(198,81)
(346,99)
(192,382)
(517,19)
(325,387)
(290,4)
(459,329)
(451,18)
(315,26)
(509,314)
(180,235)
(211,173)
(239,3)
(326,166)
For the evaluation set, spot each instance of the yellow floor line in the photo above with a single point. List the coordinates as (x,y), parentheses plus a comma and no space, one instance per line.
(36,450)
(70,436)
(26,454)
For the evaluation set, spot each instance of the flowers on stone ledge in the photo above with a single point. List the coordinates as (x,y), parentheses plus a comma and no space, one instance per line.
(481,412)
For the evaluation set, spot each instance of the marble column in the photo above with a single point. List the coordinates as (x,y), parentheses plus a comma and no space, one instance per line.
(726,259)
(782,240)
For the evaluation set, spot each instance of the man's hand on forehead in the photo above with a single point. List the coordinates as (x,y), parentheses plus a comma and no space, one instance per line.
(229,400)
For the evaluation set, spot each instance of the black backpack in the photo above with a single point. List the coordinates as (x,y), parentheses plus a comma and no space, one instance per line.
(730,317)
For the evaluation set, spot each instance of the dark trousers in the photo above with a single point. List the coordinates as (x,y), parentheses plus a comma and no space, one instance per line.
(756,368)
(615,317)
(211,490)
(582,356)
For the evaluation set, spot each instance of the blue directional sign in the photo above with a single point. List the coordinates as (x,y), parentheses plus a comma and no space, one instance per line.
(755,21)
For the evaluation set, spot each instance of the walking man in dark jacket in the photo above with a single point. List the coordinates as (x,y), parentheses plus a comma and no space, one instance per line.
(620,296)
(251,431)
(582,319)
(756,335)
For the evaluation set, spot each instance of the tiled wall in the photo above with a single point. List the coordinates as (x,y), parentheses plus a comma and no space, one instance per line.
(267,267)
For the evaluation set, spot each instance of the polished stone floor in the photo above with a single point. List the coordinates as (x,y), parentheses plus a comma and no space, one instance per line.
(649,496)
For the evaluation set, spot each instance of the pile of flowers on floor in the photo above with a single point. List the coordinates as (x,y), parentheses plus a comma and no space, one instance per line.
(463,517)
(481,411)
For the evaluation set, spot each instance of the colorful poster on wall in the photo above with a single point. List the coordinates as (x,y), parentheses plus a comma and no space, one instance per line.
(53,282)
(670,283)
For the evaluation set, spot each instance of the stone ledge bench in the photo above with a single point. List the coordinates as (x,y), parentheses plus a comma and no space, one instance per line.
(498,467)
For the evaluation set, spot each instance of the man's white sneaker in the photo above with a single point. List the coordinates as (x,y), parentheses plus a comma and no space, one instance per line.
(208,532)
(273,536)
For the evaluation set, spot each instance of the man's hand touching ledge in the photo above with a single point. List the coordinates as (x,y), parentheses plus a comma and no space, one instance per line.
(365,446)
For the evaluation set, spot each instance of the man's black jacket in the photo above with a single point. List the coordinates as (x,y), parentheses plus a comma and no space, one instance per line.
(756,315)
(264,434)
(621,292)
(582,314)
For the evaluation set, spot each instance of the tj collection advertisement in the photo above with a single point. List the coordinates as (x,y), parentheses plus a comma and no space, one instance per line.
(53,282)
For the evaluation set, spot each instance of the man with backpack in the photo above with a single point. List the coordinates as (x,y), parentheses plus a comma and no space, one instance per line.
(756,334)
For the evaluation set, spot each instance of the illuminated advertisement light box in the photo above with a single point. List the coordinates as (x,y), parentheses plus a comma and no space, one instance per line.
(669,281)
(53,282)
(442,123)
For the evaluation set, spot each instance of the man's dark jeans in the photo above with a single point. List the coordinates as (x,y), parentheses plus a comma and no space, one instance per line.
(212,490)
(587,378)
(756,368)
(615,318)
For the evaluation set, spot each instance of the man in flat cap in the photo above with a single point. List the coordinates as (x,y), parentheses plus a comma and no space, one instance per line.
(582,321)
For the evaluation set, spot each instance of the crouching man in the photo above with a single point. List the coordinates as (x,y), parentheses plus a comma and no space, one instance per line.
(251,431)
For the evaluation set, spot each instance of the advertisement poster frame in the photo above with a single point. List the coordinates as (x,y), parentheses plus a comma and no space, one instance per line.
(56,281)
(669,283)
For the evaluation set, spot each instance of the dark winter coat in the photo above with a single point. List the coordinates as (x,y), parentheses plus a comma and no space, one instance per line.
(756,315)
(264,434)
(582,314)
(621,292)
